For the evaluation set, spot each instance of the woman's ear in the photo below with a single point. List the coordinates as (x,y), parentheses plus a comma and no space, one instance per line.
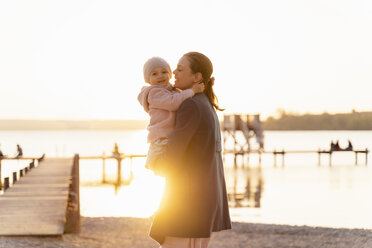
(198,77)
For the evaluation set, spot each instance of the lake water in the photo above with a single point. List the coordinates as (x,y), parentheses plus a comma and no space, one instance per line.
(301,193)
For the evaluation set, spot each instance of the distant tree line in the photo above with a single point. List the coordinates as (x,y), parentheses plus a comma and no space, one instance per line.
(345,121)
(72,124)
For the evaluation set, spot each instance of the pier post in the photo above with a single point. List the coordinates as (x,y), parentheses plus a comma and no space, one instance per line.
(21,173)
(318,157)
(6,183)
(356,158)
(26,170)
(367,156)
(103,167)
(259,158)
(330,158)
(235,164)
(274,158)
(283,152)
(32,164)
(14,177)
(118,182)
(247,160)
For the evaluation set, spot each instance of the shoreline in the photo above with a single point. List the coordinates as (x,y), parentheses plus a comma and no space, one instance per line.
(133,232)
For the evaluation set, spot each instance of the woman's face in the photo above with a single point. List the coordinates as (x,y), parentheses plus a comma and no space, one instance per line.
(184,78)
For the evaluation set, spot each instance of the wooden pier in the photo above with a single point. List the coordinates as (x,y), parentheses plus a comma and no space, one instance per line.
(45,201)
(282,153)
(241,129)
(249,126)
(119,157)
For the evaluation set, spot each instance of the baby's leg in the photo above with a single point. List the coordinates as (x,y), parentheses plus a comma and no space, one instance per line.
(156,149)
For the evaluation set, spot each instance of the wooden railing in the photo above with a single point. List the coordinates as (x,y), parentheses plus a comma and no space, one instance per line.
(22,172)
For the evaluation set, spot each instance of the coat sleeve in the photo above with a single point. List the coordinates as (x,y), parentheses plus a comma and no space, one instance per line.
(187,121)
(162,98)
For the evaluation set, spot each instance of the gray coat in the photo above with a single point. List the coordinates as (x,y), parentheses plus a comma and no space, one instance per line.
(195,202)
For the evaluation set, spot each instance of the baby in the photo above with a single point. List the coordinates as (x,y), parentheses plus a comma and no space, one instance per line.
(161,101)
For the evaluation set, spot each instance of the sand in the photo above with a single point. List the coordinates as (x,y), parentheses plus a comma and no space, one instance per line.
(132,232)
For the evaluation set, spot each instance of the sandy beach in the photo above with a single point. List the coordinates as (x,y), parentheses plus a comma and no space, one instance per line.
(132,232)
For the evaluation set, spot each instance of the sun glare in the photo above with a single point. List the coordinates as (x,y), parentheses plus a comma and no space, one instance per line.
(140,198)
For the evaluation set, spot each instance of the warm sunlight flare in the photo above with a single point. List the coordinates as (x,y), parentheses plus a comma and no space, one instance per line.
(139,199)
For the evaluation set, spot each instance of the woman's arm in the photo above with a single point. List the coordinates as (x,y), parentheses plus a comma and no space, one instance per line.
(187,121)
(162,98)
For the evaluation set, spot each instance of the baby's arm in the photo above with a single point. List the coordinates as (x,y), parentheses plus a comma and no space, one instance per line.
(163,98)
(198,88)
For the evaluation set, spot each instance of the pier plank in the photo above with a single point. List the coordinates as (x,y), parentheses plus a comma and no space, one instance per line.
(36,204)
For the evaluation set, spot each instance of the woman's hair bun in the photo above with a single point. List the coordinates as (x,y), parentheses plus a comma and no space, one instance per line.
(212,80)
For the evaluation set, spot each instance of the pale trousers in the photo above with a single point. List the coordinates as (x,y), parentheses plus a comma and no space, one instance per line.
(156,149)
(174,242)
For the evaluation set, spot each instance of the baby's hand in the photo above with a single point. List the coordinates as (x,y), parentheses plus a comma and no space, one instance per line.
(198,88)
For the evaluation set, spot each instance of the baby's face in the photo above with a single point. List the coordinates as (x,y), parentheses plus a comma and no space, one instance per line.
(159,76)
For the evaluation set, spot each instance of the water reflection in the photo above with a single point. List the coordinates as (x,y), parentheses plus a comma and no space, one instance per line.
(140,198)
(139,187)
(259,195)
(245,187)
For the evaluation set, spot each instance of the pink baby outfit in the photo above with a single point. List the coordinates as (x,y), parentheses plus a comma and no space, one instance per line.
(161,102)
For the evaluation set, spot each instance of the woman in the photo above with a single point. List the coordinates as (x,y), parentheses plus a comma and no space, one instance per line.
(195,202)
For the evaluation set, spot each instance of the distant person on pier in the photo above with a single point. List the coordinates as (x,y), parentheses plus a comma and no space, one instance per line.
(161,101)
(195,202)
(19,153)
(333,145)
(349,147)
(337,146)
(1,154)
(116,152)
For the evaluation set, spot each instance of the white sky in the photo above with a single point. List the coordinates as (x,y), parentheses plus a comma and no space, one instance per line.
(83,59)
